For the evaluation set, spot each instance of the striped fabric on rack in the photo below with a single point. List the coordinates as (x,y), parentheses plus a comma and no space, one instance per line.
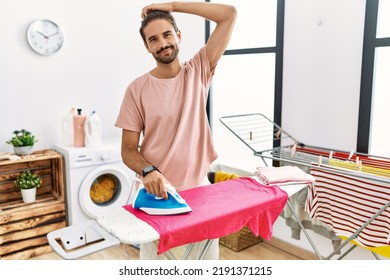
(346,202)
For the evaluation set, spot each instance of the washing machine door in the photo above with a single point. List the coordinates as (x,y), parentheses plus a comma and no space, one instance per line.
(104,188)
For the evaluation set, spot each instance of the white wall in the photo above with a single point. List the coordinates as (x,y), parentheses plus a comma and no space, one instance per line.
(102,53)
(322,68)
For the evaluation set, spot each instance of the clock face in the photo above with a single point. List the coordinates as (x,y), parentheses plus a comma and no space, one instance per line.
(45,37)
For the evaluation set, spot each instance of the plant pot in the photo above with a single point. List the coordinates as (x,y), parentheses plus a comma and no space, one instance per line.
(29,195)
(24,150)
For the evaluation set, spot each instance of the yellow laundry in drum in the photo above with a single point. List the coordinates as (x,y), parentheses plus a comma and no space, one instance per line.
(103,189)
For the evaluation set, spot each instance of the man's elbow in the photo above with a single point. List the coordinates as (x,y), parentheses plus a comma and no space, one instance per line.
(232,12)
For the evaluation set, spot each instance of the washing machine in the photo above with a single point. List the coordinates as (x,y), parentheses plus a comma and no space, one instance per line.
(96,180)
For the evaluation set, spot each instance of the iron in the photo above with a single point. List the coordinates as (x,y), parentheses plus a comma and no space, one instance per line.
(154,205)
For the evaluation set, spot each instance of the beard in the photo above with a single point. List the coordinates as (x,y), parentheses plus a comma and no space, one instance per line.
(164,59)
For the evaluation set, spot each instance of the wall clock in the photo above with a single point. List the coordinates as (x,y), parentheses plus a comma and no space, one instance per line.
(45,37)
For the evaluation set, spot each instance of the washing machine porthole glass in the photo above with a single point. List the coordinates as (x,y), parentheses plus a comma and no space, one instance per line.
(105,189)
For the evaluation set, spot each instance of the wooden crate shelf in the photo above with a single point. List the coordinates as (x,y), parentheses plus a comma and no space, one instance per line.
(24,226)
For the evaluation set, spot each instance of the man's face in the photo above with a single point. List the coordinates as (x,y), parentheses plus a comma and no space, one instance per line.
(162,41)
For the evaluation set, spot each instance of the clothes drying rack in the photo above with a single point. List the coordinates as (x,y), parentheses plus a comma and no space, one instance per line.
(270,142)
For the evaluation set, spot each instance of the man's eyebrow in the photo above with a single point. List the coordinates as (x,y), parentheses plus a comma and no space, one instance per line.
(164,33)
(152,37)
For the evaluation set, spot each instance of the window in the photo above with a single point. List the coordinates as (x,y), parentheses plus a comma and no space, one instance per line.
(374,130)
(255,25)
(380,128)
(383,29)
(248,78)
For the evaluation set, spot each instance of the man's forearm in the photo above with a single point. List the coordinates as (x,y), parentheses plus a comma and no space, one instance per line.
(212,11)
(134,160)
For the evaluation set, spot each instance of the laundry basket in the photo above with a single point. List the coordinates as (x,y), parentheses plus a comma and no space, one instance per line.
(244,238)
(240,240)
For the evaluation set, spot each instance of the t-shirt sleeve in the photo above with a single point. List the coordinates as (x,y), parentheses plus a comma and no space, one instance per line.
(202,62)
(129,116)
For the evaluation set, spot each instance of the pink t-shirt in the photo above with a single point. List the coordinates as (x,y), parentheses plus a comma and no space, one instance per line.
(171,114)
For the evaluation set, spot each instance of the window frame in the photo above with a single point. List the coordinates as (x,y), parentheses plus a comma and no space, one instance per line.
(370,44)
(277,49)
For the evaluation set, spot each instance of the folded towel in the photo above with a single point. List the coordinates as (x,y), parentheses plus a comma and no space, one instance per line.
(284,174)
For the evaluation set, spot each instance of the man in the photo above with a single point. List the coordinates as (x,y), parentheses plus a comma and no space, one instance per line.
(168,104)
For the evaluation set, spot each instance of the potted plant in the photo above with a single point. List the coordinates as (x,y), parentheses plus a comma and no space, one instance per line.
(28,183)
(22,141)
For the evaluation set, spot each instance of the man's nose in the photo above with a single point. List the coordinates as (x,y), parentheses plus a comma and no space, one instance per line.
(164,43)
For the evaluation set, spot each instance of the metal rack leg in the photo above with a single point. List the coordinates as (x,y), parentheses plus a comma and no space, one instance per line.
(357,232)
(300,224)
(266,164)
(375,255)
(347,252)
(304,230)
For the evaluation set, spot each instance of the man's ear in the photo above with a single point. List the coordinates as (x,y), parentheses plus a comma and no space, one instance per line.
(178,33)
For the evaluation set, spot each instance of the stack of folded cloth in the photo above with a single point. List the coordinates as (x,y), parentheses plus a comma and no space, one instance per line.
(283,175)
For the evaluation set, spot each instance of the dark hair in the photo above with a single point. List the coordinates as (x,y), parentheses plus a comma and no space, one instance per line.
(154,15)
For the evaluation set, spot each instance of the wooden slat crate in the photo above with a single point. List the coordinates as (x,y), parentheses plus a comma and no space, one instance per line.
(24,226)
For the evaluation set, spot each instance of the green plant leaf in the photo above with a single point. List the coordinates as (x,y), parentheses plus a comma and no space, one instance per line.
(28,180)
(22,138)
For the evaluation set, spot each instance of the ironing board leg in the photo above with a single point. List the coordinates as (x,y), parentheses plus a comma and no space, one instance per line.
(168,254)
(205,249)
(188,251)
(202,253)
(303,229)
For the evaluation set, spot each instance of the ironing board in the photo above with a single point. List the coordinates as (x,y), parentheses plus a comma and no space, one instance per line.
(121,226)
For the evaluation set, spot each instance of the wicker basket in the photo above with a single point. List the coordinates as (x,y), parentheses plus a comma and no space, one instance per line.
(240,240)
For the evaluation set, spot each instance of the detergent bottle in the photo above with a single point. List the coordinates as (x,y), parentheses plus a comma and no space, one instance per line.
(67,128)
(93,130)
(78,128)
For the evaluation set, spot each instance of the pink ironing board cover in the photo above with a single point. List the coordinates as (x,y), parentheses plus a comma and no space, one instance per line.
(219,210)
